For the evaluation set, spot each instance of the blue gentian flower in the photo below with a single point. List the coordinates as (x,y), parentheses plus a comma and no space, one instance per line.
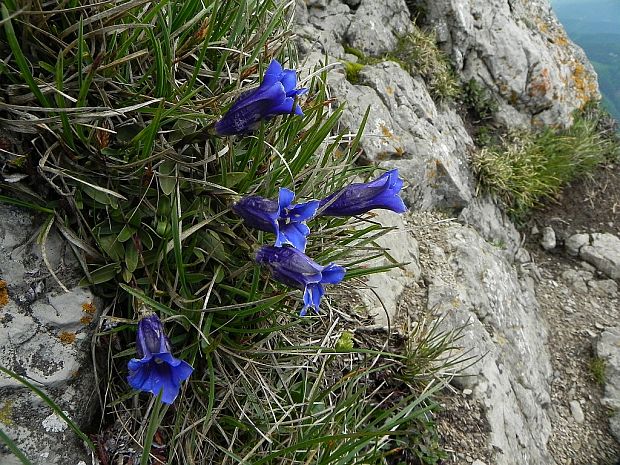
(275,96)
(295,269)
(358,198)
(280,217)
(156,370)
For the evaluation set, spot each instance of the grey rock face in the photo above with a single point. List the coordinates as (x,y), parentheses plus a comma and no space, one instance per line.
(574,243)
(374,32)
(548,241)
(604,253)
(576,411)
(487,218)
(383,291)
(520,53)
(608,349)
(405,130)
(479,288)
(44,337)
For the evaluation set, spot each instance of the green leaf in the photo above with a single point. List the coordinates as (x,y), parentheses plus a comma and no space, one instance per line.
(14,448)
(131,257)
(126,233)
(167,177)
(102,274)
(113,248)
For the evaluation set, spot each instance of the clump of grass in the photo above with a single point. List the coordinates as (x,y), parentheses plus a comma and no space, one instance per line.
(113,103)
(597,368)
(352,71)
(478,101)
(528,168)
(419,53)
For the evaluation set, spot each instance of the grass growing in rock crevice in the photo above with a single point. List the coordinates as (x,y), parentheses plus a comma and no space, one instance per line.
(528,168)
(109,107)
(419,55)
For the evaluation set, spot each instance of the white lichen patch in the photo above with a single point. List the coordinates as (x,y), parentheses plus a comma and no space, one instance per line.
(54,424)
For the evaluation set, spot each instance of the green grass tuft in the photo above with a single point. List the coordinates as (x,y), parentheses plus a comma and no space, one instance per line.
(531,167)
(112,105)
(597,368)
(478,100)
(352,71)
(419,53)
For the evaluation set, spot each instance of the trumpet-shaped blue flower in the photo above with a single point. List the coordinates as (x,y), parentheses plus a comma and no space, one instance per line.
(275,96)
(295,269)
(280,217)
(358,198)
(156,370)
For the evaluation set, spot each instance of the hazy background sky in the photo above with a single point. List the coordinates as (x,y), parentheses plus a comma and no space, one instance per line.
(595,26)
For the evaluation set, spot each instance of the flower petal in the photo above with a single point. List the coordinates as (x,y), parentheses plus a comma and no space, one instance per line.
(302,211)
(289,80)
(284,108)
(258,212)
(247,112)
(332,274)
(285,198)
(273,73)
(358,198)
(295,235)
(312,298)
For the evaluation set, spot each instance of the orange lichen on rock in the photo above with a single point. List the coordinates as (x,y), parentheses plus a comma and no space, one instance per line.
(88,307)
(541,84)
(86,319)
(585,85)
(4,293)
(66,337)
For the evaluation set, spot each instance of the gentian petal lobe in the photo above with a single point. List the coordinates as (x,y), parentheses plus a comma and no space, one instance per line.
(156,370)
(295,269)
(275,96)
(279,217)
(294,234)
(303,211)
(358,198)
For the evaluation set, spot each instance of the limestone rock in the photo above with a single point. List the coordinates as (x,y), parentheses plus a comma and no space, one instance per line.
(576,411)
(608,349)
(44,337)
(405,130)
(492,223)
(520,53)
(383,290)
(548,241)
(375,30)
(574,243)
(479,289)
(604,253)
(603,287)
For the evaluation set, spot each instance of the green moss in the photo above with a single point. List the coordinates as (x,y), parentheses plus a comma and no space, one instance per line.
(597,368)
(352,71)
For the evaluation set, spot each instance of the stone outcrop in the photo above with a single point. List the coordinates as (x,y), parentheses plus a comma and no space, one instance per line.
(45,336)
(518,50)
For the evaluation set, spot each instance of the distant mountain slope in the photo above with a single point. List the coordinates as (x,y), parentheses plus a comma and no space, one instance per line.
(595,26)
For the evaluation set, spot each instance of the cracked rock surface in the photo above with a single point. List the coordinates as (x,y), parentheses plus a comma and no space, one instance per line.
(44,338)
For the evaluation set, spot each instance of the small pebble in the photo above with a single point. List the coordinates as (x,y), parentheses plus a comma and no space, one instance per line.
(577,411)
(548,240)
(467,392)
